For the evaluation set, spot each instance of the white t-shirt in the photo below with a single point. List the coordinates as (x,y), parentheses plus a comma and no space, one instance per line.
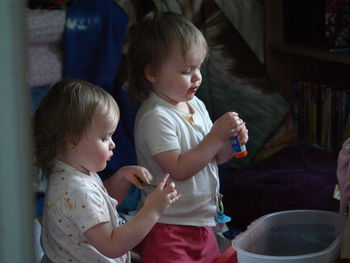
(75,202)
(160,127)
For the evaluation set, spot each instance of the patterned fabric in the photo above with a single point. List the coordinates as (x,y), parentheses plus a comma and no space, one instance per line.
(74,203)
(44,65)
(233,77)
(45,51)
(45,26)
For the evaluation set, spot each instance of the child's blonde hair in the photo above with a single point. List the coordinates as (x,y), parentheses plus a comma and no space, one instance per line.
(151,41)
(66,110)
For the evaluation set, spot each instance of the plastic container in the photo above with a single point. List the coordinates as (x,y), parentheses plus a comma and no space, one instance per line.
(239,151)
(295,236)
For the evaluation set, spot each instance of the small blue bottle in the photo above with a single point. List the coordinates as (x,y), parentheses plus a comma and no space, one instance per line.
(239,151)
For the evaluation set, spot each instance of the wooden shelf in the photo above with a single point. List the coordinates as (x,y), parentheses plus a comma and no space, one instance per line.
(310,52)
(287,62)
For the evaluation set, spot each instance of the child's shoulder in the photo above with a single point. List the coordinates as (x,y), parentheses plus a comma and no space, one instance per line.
(74,186)
(154,105)
(69,176)
(154,114)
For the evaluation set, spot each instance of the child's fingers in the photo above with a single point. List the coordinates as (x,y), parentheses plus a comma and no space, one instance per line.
(174,197)
(147,176)
(162,182)
(135,181)
(169,187)
(177,197)
(232,114)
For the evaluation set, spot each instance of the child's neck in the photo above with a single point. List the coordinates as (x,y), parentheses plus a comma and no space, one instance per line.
(185,107)
(66,159)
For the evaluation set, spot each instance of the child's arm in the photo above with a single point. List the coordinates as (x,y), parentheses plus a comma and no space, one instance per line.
(183,165)
(119,183)
(118,241)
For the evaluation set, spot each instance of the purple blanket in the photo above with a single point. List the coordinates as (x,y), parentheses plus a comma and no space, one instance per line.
(298,177)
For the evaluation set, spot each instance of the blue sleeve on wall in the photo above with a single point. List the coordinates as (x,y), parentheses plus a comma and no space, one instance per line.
(93,42)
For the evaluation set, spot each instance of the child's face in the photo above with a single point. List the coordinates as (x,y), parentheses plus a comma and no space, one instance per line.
(95,146)
(177,78)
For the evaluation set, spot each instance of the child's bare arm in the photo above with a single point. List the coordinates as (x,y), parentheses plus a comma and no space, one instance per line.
(118,241)
(183,165)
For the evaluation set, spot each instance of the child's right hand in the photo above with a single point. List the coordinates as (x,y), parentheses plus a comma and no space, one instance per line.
(228,125)
(162,197)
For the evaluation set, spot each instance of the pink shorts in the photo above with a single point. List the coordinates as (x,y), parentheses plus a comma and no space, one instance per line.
(179,244)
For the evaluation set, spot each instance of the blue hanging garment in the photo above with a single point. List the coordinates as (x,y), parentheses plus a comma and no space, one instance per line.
(93,42)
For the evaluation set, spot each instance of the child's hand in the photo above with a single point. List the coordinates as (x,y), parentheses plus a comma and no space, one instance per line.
(162,197)
(243,135)
(136,175)
(228,125)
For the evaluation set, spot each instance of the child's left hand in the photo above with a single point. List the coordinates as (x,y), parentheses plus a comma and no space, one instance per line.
(136,175)
(243,135)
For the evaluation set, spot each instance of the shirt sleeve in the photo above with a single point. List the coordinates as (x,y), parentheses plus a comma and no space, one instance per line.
(86,207)
(159,133)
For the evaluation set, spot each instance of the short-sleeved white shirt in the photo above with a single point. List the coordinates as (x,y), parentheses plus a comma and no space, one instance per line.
(161,127)
(75,202)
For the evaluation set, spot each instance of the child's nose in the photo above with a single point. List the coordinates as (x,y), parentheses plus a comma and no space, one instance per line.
(111,144)
(196,76)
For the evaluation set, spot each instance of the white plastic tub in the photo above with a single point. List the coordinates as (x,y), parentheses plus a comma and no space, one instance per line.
(295,236)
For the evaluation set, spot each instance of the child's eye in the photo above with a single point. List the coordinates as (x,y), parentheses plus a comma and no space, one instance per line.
(185,72)
(106,139)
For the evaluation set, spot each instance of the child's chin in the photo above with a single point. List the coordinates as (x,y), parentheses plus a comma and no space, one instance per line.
(190,97)
(99,169)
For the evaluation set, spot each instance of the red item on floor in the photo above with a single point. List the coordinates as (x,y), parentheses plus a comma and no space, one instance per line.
(229,255)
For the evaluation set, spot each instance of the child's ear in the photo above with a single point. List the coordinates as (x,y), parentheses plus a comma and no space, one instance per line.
(151,74)
(70,142)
